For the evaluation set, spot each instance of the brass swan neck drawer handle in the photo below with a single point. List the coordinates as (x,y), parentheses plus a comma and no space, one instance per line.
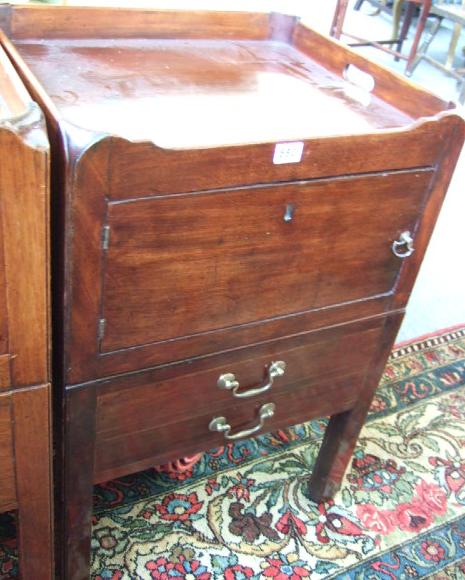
(228,381)
(405,241)
(220,424)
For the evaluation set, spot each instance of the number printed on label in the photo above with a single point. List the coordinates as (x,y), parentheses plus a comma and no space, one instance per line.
(288,152)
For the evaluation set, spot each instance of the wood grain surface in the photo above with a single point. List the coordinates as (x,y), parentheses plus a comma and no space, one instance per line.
(232,256)
(7,475)
(33,465)
(25,216)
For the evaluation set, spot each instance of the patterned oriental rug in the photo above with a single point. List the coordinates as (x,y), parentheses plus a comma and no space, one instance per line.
(242,512)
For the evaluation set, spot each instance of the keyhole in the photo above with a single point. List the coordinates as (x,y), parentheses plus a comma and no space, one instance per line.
(289,213)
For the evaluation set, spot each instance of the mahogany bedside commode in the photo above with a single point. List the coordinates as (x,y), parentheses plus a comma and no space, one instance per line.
(237,231)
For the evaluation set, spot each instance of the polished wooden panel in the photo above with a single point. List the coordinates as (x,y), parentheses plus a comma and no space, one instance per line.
(24,216)
(232,256)
(33,465)
(7,474)
(83,22)
(24,206)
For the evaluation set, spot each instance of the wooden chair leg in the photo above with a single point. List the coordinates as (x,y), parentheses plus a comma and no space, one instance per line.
(33,482)
(428,37)
(453,45)
(78,483)
(338,18)
(396,17)
(426,6)
(405,26)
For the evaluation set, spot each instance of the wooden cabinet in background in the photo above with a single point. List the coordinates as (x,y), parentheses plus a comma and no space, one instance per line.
(238,228)
(25,399)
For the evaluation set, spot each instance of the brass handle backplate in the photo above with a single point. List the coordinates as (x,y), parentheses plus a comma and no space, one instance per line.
(228,381)
(221,425)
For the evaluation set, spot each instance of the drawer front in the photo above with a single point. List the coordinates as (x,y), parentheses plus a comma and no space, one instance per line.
(184,265)
(157,416)
(169,278)
(7,476)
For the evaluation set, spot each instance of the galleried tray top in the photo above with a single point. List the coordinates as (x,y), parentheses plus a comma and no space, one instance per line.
(188,93)
(194,80)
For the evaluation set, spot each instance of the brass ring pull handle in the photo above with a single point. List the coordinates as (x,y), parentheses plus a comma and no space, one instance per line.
(405,241)
(219,423)
(228,381)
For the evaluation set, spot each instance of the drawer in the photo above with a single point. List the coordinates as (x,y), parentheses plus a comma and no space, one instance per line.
(158,416)
(180,274)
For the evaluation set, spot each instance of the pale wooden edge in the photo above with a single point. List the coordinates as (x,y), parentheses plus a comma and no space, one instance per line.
(15,102)
(34,21)
(20,113)
(31,84)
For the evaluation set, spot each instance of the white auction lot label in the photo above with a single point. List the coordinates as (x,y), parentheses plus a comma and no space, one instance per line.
(288,152)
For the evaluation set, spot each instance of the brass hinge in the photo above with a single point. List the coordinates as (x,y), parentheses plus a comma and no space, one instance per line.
(105,237)
(101,328)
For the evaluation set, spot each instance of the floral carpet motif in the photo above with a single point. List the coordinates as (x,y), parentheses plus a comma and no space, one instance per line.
(243,511)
